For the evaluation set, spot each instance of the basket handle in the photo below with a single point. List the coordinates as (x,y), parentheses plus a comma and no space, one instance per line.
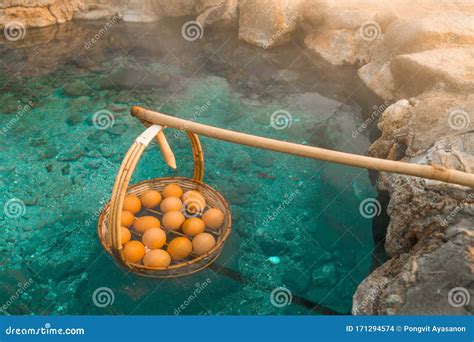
(124,175)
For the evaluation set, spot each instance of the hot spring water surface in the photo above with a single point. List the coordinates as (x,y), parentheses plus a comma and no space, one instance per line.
(296,221)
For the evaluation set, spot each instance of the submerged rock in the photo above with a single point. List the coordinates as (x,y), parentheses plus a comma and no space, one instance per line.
(296,281)
(71,155)
(129,78)
(77,88)
(325,275)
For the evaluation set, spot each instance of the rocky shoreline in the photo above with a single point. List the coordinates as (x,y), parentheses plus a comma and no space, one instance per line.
(419,59)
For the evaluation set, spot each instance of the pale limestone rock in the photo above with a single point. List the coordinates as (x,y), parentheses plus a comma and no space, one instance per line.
(339,46)
(378,78)
(314,12)
(417,125)
(213,11)
(425,33)
(341,18)
(153,10)
(28,16)
(430,235)
(96,14)
(268,23)
(38,13)
(417,72)
(429,239)
(346,35)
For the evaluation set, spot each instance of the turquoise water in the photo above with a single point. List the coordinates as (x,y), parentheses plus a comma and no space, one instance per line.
(57,164)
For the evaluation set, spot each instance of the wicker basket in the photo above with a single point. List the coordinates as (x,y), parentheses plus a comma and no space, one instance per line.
(109,221)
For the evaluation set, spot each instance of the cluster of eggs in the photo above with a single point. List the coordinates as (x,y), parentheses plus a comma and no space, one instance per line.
(172,202)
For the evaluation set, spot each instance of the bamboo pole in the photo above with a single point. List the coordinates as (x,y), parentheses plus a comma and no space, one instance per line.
(435,172)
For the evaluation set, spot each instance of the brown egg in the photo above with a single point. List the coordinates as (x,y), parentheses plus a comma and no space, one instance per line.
(127,218)
(213,218)
(157,258)
(154,238)
(194,202)
(171,204)
(172,190)
(203,243)
(180,248)
(150,199)
(142,224)
(125,235)
(133,251)
(193,226)
(132,203)
(173,220)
